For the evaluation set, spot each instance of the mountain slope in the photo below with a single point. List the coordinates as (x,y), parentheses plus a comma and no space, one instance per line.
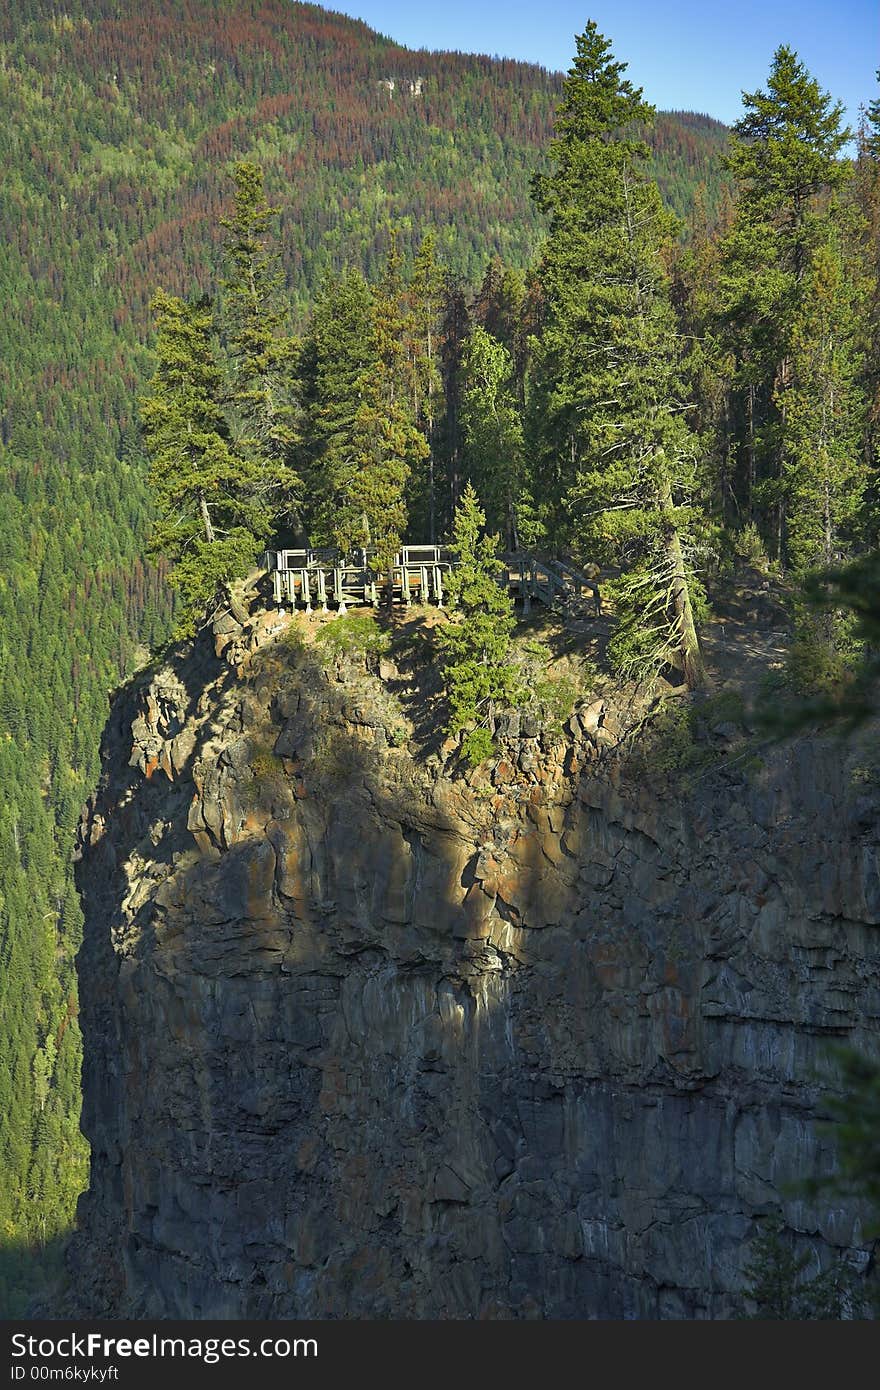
(119,123)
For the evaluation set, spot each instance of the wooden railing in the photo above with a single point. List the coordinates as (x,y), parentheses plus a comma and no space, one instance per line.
(309,579)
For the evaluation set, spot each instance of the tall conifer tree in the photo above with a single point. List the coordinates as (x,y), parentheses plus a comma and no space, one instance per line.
(825,472)
(786,159)
(261,352)
(607,380)
(492,429)
(212,514)
(475,645)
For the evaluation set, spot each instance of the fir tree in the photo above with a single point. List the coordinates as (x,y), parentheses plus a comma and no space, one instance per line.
(261,353)
(778,1290)
(340,348)
(492,431)
(867,251)
(785,158)
(824,472)
(211,517)
(607,381)
(453,336)
(362,436)
(370,497)
(426,290)
(475,644)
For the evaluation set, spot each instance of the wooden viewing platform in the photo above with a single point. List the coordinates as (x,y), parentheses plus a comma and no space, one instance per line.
(310,579)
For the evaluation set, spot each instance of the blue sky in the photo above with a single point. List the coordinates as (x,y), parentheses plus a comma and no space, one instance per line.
(693,54)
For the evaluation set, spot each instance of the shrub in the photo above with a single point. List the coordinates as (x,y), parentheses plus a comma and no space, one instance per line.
(354,634)
(748,545)
(477,746)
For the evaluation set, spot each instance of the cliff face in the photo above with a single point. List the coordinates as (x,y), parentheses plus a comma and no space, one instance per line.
(368,1038)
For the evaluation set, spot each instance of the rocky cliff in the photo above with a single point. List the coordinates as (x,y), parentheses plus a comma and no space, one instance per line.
(370,1035)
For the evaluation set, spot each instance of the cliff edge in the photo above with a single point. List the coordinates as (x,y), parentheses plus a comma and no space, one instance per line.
(368,1034)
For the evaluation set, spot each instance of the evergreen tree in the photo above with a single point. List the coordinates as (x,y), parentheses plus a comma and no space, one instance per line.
(475,644)
(427,287)
(778,1290)
(824,471)
(867,250)
(785,158)
(211,515)
(492,431)
(340,348)
(261,353)
(454,333)
(607,380)
(362,437)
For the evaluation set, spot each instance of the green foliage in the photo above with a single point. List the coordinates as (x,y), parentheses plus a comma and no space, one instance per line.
(784,302)
(553,696)
(211,518)
(353,634)
(476,746)
(556,697)
(856,1130)
(261,353)
(360,440)
(824,471)
(492,431)
(267,775)
(474,646)
(748,544)
(777,1289)
(607,398)
(122,125)
(293,638)
(823,657)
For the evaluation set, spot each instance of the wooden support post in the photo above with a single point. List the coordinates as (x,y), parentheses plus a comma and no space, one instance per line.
(423,584)
(404,584)
(338,591)
(276,587)
(322,590)
(306,590)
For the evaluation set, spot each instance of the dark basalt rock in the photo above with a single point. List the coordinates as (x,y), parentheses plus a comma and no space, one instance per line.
(365,1038)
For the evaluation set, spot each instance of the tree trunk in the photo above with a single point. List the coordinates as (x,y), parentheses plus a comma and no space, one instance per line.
(206,519)
(689,643)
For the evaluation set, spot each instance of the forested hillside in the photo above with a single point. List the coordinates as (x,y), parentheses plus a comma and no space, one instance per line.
(120,123)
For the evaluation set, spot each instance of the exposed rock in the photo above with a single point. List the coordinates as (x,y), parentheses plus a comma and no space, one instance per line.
(366,1038)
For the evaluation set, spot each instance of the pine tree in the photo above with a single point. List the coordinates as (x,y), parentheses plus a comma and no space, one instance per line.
(824,472)
(427,295)
(867,251)
(492,431)
(778,1291)
(370,503)
(607,380)
(785,158)
(261,352)
(362,438)
(475,644)
(211,517)
(340,347)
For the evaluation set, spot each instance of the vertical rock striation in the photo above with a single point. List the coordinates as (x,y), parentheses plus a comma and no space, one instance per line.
(366,1037)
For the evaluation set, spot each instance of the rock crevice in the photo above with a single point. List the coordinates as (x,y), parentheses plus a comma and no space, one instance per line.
(368,1037)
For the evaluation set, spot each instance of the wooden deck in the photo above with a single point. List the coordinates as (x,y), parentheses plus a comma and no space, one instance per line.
(320,579)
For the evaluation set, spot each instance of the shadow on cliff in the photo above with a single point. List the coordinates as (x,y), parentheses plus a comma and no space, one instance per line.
(327,921)
(29,1276)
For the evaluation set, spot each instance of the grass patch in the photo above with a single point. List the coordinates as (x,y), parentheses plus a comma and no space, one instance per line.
(355,634)
(552,695)
(267,775)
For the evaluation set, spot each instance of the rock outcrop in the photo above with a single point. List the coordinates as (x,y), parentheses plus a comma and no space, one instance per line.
(368,1035)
